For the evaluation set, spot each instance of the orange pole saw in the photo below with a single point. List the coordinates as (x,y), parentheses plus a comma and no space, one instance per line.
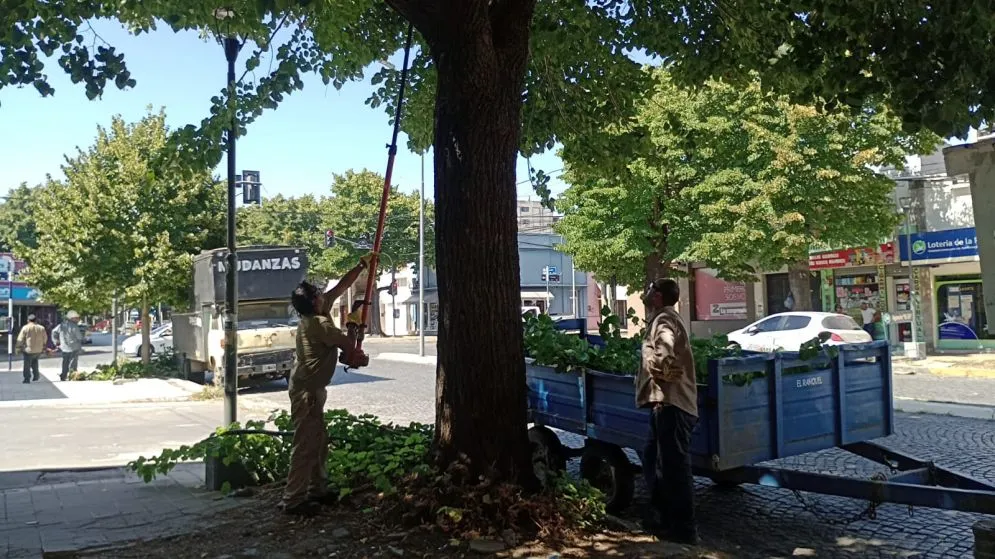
(360,359)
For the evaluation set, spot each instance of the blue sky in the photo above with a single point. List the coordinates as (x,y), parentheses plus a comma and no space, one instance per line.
(296,148)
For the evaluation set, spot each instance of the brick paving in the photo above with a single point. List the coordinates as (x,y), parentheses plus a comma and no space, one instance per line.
(764,522)
(66,511)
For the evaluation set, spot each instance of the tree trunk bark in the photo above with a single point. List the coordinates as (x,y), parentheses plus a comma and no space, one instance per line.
(146,330)
(800,284)
(375,328)
(480,50)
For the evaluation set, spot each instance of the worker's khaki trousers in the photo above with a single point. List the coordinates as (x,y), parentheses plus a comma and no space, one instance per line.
(307,477)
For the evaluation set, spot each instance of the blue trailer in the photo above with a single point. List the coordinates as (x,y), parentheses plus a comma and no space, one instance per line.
(752,409)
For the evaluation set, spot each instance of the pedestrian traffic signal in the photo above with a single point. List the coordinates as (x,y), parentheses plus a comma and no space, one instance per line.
(393,288)
(329,238)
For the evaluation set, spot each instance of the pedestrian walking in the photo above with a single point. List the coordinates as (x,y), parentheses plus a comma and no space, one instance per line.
(318,342)
(666,384)
(868,314)
(70,343)
(31,342)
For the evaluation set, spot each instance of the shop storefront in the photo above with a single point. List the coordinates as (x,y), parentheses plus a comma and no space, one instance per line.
(853,276)
(957,311)
(23,298)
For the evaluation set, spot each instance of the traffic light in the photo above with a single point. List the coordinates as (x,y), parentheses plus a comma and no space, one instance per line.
(393,288)
(329,238)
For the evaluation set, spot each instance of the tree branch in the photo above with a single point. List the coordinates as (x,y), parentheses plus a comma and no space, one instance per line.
(423,14)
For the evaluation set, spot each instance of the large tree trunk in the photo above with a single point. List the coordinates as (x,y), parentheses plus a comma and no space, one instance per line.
(146,331)
(480,49)
(799,282)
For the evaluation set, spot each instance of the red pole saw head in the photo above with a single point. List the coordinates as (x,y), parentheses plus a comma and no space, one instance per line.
(355,329)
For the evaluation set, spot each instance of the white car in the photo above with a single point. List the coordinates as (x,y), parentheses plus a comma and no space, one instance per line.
(788,331)
(160,340)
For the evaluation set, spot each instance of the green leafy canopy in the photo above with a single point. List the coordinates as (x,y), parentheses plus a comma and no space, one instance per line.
(733,176)
(120,224)
(350,211)
(577,60)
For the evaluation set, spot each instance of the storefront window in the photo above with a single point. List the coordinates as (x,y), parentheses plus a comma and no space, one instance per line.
(717,299)
(960,310)
(902,294)
(853,290)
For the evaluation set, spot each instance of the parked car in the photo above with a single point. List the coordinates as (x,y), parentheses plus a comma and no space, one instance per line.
(160,340)
(788,331)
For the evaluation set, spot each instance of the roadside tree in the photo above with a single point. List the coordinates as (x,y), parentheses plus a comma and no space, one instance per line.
(351,213)
(118,224)
(733,176)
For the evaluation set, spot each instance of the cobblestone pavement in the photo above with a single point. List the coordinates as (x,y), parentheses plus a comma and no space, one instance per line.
(961,390)
(65,511)
(761,521)
(768,522)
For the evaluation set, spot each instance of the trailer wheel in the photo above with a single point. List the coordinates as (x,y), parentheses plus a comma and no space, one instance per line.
(723,484)
(607,468)
(548,454)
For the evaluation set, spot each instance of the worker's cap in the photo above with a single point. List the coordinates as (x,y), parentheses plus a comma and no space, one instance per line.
(72,314)
(31,318)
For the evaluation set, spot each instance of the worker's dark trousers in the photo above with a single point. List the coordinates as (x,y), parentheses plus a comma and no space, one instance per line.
(308,477)
(70,362)
(31,366)
(667,468)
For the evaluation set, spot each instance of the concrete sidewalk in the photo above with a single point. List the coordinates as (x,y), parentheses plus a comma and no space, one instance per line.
(973,365)
(50,512)
(49,390)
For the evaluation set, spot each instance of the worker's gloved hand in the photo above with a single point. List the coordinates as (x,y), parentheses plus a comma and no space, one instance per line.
(354,359)
(367,259)
(354,318)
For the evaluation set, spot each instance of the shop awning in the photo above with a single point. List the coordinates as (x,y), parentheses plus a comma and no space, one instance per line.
(537,295)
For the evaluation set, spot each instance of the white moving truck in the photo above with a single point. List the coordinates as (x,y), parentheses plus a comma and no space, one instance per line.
(267,324)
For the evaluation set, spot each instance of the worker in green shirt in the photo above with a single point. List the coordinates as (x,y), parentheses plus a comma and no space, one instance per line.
(318,343)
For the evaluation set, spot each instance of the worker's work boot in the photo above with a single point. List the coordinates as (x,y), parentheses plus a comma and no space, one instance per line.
(304,508)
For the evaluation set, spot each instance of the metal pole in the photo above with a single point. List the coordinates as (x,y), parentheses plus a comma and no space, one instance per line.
(114,329)
(421,263)
(573,287)
(10,317)
(231,270)
(393,302)
(912,284)
(547,290)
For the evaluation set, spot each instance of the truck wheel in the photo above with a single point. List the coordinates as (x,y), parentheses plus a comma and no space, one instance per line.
(606,467)
(548,454)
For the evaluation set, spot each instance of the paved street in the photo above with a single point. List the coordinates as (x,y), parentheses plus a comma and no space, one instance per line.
(963,390)
(89,436)
(762,521)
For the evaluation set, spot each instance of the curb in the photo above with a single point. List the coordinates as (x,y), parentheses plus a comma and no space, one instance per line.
(406,358)
(952,372)
(968,411)
(64,402)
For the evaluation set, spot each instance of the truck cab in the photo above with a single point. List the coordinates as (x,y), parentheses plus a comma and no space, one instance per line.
(266,322)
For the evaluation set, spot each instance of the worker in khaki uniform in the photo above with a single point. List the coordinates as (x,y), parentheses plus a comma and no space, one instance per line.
(318,342)
(666,384)
(31,341)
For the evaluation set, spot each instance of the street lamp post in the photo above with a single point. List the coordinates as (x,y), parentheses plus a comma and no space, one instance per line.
(906,205)
(421,262)
(232,47)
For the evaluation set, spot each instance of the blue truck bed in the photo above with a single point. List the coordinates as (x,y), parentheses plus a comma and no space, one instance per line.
(840,400)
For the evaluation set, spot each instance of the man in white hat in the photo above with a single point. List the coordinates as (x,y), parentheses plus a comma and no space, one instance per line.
(70,343)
